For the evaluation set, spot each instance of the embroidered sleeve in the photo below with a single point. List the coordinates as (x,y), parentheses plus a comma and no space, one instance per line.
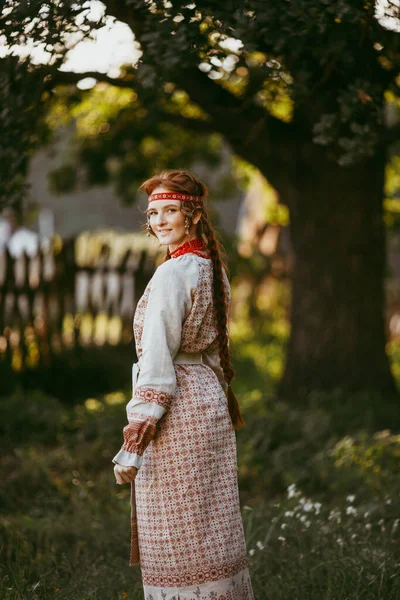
(169,303)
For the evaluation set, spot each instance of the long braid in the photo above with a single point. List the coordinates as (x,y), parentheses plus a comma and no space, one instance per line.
(182,181)
(221,310)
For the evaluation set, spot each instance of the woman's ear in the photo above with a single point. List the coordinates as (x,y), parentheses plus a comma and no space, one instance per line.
(197,216)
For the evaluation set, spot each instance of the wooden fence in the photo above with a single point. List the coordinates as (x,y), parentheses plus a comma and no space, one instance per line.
(49,303)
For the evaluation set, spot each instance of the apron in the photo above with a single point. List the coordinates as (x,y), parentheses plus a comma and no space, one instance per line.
(181,358)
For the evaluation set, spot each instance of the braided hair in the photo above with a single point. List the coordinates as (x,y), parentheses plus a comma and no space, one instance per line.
(184,182)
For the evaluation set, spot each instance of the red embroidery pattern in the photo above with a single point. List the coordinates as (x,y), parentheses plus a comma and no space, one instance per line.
(139,433)
(200,329)
(175,196)
(198,575)
(138,319)
(237,587)
(195,246)
(146,394)
(190,530)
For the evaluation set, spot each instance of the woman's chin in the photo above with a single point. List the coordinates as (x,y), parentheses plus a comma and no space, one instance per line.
(169,241)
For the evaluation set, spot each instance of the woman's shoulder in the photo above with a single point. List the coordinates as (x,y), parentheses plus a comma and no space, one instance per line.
(186,263)
(175,270)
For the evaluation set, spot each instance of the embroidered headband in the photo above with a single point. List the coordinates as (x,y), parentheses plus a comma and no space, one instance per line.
(175,196)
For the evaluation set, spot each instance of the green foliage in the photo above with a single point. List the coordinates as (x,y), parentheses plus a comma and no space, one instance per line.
(73,374)
(329,443)
(322,67)
(65,525)
(303,548)
(27,28)
(307,51)
(20,96)
(319,486)
(392,190)
(121,140)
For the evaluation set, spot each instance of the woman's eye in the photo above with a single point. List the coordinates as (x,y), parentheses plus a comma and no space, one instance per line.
(150,214)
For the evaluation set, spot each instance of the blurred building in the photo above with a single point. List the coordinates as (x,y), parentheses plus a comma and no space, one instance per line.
(98,207)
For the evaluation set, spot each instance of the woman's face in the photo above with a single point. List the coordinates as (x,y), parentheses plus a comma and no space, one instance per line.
(168,221)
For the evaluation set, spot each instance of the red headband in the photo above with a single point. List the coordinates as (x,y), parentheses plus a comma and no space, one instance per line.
(175,196)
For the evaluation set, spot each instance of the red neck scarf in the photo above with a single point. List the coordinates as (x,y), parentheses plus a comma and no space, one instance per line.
(194,246)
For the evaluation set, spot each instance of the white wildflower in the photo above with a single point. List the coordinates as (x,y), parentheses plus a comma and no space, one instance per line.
(307,506)
(251,551)
(340,541)
(283,525)
(350,510)
(317,506)
(335,514)
(307,523)
(395,525)
(351,498)
(282,539)
(368,525)
(289,513)
(366,514)
(292,490)
(260,545)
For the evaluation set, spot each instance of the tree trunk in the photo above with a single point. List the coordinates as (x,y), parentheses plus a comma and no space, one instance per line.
(337,313)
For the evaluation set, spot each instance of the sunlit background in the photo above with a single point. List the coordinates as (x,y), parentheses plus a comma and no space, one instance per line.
(319,475)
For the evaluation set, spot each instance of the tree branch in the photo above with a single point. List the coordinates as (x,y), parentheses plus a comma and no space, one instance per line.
(179,120)
(252,133)
(71,77)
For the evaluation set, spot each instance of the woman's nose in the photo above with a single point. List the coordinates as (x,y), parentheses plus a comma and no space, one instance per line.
(160,218)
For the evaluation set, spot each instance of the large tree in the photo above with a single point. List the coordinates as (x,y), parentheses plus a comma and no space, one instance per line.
(299,89)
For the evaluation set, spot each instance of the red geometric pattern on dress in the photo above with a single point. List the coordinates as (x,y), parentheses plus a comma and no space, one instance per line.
(138,319)
(237,587)
(139,433)
(187,496)
(200,329)
(146,394)
(174,196)
(198,575)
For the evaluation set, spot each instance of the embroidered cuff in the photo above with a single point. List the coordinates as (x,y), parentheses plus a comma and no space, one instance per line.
(128,459)
(146,394)
(138,433)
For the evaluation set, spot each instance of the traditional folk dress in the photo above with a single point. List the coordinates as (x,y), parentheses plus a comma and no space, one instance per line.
(187,531)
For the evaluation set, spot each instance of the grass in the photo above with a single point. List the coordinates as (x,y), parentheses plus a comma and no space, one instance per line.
(320,492)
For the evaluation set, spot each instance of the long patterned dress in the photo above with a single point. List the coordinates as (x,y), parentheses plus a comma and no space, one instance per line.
(180,436)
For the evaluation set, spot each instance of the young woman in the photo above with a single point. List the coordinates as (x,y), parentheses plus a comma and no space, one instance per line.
(179,450)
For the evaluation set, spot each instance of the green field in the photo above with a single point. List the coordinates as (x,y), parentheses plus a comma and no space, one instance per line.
(319,484)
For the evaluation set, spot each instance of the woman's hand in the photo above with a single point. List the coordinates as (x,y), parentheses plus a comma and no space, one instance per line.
(124,474)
